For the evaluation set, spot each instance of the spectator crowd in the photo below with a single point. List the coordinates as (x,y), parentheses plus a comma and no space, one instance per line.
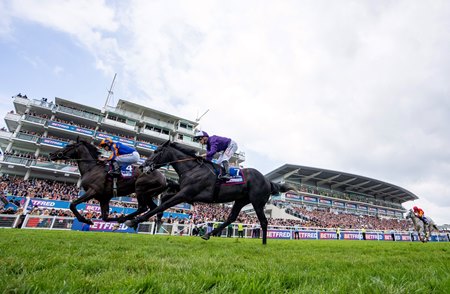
(200,213)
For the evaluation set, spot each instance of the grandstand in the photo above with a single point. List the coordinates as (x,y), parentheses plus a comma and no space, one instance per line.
(341,192)
(38,127)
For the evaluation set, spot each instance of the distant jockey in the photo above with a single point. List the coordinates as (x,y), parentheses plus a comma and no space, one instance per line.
(216,144)
(121,154)
(420,214)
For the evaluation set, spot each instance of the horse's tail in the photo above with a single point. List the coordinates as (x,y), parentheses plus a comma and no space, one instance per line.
(276,188)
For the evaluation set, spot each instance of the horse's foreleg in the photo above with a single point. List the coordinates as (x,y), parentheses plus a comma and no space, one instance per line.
(104,207)
(143,205)
(73,206)
(177,199)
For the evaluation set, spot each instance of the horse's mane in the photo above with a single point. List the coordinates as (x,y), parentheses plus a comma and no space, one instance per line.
(184,149)
(91,148)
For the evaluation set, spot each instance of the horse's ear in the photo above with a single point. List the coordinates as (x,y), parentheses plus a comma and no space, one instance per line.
(78,139)
(166,144)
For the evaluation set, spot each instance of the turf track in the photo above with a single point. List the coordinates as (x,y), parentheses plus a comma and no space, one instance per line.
(33,261)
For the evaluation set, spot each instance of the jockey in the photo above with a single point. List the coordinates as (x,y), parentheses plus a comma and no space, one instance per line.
(120,154)
(216,144)
(420,214)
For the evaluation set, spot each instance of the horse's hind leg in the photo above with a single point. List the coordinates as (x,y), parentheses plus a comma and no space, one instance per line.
(231,218)
(259,209)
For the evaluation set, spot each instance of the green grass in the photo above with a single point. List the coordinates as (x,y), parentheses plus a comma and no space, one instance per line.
(33,261)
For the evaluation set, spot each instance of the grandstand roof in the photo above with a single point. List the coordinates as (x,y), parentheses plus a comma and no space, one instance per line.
(341,181)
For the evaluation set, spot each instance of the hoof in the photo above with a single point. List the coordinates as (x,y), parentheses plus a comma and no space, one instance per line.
(89,222)
(130,223)
(205,237)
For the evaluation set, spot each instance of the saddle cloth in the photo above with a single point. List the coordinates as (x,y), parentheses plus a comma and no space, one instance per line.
(236,177)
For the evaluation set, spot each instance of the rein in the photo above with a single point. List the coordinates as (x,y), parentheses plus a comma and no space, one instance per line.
(156,166)
(63,157)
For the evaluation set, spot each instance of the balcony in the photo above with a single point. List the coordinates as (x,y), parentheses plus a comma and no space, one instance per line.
(158,123)
(34,119)
(120,125)
(27,137)
(5,135)
(16,160)
(78,113)
(42,103)
(124,113)
(13,116)
(12,120)
(155,134)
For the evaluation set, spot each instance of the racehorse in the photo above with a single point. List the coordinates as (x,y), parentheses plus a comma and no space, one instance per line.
(98,185)
(198,183)
(420,227)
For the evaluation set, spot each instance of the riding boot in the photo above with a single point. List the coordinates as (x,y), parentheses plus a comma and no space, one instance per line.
(225,173)
(115,170)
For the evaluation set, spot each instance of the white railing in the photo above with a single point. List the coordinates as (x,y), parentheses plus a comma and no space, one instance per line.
(8,220)
(46,222)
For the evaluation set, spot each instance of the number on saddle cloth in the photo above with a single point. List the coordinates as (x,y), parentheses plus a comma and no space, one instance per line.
(126,171)
(236,176)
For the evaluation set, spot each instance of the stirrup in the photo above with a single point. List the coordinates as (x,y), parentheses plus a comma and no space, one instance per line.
(115,187)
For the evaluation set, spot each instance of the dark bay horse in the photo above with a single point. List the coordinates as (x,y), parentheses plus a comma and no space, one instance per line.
(98,185)
(197,180)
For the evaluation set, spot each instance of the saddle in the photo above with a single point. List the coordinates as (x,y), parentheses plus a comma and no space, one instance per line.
(237,178)
(126,171)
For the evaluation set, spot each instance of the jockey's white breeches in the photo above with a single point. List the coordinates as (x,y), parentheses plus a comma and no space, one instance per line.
(228,153)
(128,158)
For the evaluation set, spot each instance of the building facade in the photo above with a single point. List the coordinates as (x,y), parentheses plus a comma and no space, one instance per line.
(37,127)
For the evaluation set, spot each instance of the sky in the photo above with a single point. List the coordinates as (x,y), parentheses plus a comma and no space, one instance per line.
(355,86)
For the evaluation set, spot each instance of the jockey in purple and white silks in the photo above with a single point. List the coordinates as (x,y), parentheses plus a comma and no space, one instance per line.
(215,144)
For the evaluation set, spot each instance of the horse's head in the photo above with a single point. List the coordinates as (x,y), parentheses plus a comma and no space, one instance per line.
(160,157)
(75,151)
(68,152)
(410,214)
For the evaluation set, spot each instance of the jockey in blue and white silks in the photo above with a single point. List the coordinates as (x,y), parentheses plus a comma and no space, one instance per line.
(121,154)
(215,144)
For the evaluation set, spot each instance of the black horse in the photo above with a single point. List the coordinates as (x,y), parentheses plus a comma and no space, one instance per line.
(198,183)
(98,184)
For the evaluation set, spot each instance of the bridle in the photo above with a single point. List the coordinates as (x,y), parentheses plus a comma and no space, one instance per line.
(60,155)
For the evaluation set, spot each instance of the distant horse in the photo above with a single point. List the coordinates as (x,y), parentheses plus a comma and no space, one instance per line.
(198,183)
(98,184)
(420,227)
